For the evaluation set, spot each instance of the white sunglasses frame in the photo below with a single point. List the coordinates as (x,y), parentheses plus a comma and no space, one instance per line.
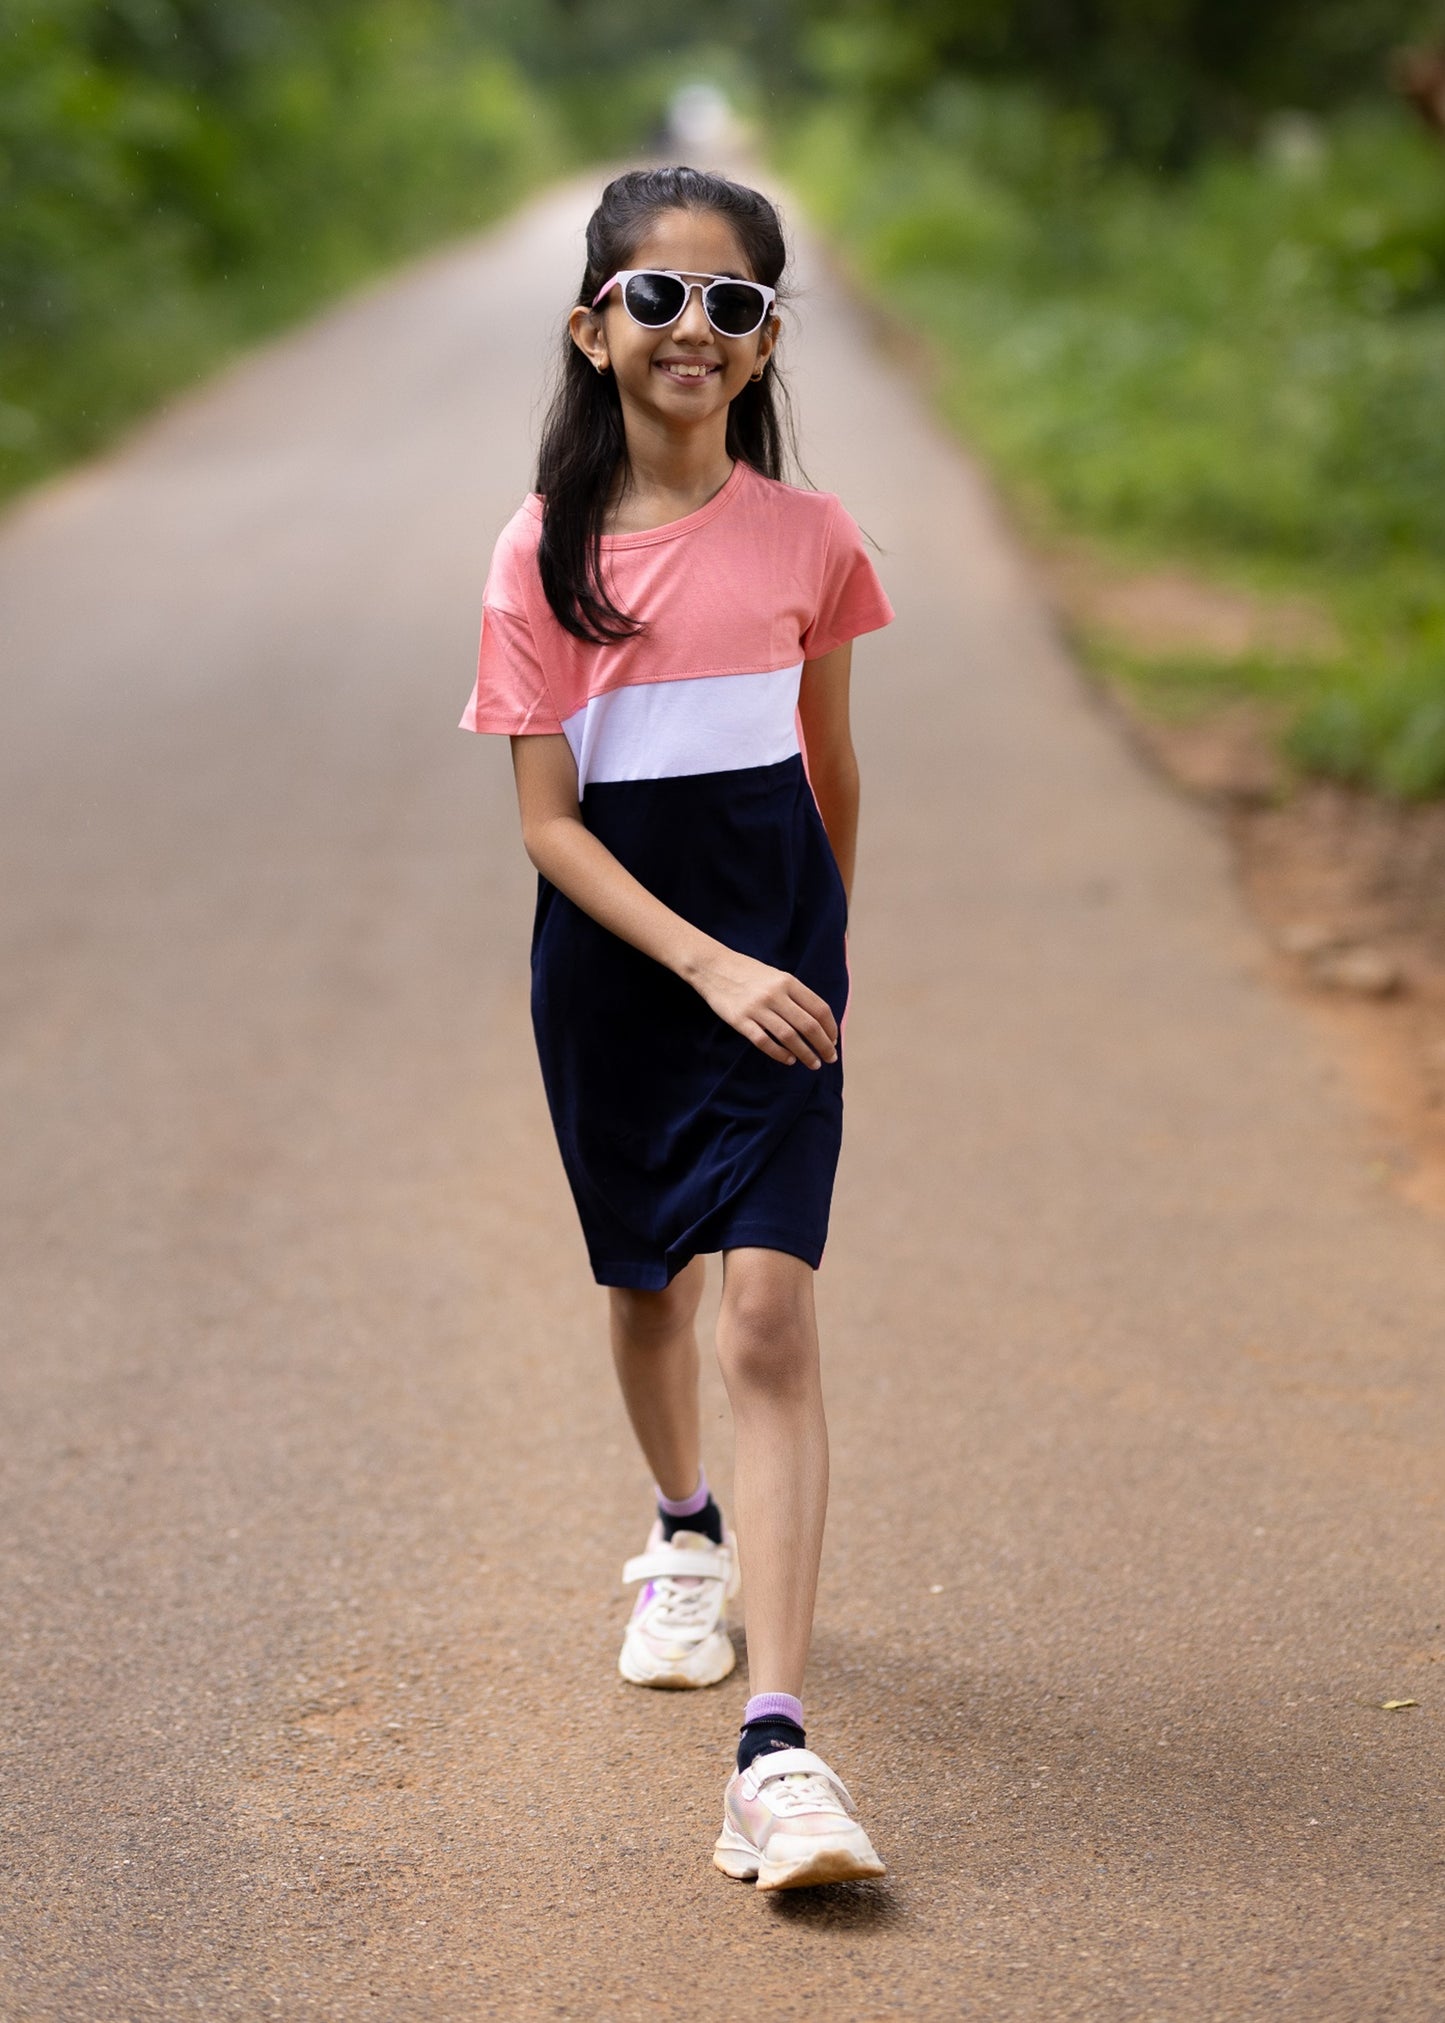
(626,274)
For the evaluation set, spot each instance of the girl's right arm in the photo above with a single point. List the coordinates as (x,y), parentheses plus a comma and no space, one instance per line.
(770,1007)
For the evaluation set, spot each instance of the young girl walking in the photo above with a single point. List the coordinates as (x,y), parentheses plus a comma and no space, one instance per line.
(666,638)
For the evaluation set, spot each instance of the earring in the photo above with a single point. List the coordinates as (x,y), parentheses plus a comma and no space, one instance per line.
(602,368)
(759,373)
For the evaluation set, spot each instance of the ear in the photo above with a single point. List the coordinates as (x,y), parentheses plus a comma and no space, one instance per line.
(768,336)
(587,333)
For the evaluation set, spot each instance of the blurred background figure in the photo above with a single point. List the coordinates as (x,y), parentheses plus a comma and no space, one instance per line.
(701,122)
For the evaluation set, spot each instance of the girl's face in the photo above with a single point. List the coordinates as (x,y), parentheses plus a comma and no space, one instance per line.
(657,370)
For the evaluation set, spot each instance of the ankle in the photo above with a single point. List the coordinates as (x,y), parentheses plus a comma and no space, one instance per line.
(697,1512)
(770,1721)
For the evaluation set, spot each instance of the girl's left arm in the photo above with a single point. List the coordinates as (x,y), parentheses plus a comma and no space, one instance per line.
(832,762)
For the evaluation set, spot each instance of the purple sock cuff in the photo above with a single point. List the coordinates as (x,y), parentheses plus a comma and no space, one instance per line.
(774,1707)
(688,1506)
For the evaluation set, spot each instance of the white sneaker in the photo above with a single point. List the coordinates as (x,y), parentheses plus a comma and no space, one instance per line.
(676,1636)
(788,1821)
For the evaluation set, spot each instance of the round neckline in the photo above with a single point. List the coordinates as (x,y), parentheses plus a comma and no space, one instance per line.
(670,529)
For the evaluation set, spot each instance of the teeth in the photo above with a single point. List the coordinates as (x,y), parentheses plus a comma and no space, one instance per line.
(688,371)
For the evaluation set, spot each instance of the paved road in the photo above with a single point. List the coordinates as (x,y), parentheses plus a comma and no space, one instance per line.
(316,1487)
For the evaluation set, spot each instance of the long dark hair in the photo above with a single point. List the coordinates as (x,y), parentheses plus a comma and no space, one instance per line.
(583,439)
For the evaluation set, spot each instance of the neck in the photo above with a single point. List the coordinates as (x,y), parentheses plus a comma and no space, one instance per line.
(672,471)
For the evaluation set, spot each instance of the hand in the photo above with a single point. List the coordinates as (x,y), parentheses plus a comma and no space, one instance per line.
(780,1015)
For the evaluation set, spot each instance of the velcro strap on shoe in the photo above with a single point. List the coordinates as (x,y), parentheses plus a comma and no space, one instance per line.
(780,1762)
(667,1561)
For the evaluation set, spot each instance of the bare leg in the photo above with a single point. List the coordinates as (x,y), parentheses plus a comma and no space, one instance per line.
(768,1349)
(654,1346)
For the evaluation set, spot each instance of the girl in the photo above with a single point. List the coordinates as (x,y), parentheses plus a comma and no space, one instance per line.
(665,632)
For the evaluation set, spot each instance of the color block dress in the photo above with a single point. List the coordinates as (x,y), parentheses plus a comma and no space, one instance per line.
(679,1136)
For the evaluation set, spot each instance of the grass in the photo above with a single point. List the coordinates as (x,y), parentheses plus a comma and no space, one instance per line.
(1242,371)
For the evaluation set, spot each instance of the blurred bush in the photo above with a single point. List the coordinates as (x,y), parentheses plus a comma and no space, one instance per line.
(1243,364)
(178,176)
(1160,79)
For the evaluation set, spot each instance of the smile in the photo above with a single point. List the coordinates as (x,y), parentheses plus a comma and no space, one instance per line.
(675,369)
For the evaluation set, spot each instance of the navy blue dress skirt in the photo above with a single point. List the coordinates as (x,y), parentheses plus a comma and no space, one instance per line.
(678,1135)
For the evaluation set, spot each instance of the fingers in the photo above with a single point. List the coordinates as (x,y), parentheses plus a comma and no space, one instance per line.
(797,1032)
(821,1033)
(789,1038)
(819,1014)
(764,1041)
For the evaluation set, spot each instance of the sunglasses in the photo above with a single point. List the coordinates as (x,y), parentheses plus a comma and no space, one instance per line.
(655,297)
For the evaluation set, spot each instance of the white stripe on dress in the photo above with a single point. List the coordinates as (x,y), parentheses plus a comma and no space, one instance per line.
(710,723)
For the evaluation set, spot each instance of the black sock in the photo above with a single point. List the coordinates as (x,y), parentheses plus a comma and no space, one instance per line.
(776,1732)
(708,1521)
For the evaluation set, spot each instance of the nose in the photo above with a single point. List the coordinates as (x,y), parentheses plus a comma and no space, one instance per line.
(692,323)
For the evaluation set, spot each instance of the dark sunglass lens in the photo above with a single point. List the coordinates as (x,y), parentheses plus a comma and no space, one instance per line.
(735,307)
(655,298)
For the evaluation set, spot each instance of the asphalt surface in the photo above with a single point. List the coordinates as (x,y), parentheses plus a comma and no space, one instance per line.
(316,1487)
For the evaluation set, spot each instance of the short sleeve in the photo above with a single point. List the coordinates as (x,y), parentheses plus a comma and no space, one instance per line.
(851,600)
(511,693)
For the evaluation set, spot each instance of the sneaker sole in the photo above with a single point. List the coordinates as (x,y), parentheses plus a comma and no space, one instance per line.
(829,1865)
(841,1863)
(714,1661)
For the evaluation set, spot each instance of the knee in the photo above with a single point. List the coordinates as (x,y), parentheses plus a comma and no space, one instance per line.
(767,1345)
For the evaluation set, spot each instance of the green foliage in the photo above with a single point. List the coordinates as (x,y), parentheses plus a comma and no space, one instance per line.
(178,176)
(1162,78)
(1381,727)
(1245,366)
